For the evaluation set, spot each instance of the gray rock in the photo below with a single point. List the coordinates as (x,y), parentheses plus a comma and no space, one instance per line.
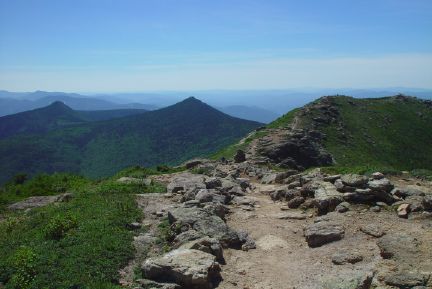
(195,162)
(332,178)
(321,233)
(427,203)
(213,183)
(248,242)
(217,209)
(206,196)
(383,185)
(295,202)
(187,267)
(398,246)
(291,216)
(375,209)
(185,237)
(327,198)
(129,180)
(186,182)
(39,201)
(415,202)
(358,280)
(156,285)
(345,257)
(377,176)
(405,279)
(240,156)
(403,210)
(354,180)
(407,191)
(343,207)
(205,223)
(372,230)
(208,245)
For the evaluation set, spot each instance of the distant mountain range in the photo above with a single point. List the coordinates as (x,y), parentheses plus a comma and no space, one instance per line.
(54,116)
(250,113)
(13,102)
(55,140)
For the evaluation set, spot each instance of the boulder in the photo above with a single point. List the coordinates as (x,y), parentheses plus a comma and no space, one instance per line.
(346,257)
(248,242)
(139,181)
(240,156)
(39,201)
(206,196)
(377,176)
(427,203)
(186,182)
(403,211)
(372,230)
(295,202)
(354,180)
(382,184)
(208,245)
(318,234)
(357,280)
(185,237)
(406,279)
(407,191)
(342,207)
(415,203)
(187,267)
(398,246)
(326,198)
(213,183)
(145,283)
(331,178)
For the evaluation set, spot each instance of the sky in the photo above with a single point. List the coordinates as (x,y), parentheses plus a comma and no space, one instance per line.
(151,45)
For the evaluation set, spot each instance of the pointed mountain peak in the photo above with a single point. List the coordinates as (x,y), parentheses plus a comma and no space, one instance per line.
(192,99)
(59,105)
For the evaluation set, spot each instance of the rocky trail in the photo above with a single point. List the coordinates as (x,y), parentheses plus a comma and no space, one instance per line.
(244,226)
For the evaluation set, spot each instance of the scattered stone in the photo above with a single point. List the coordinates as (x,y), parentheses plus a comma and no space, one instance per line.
(134,226)
(213,183)
(186,182)
(403,211)
(291,216)
(345,257)
(343,207)
(332,178)
(156,285)
(129,180)
(383,185)
(295,202)
(354,180)
(240,156)
(327,198)
(427,203)
(208,245)
(407,191)
(321,233)
(398,246)
(40,201)
(206,196)
(375,209)
(193,163)
(405,279)
(187,267)
(248,242)
(372,230)
(360,280)
(377,176)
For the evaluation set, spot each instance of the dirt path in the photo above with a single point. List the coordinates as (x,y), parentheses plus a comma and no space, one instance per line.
(283,260)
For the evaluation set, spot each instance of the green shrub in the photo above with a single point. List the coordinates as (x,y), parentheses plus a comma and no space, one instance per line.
(59,225)
(23,265)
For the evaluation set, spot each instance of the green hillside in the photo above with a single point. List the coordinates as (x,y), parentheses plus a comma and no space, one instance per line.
(170,135)
(389,132)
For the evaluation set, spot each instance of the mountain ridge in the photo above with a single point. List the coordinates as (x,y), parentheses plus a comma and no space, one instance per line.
(170,135)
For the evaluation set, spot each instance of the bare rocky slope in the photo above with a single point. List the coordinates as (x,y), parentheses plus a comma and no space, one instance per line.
(241,225)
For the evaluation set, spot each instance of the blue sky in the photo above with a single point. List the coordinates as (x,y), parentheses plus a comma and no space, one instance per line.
(142,45)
